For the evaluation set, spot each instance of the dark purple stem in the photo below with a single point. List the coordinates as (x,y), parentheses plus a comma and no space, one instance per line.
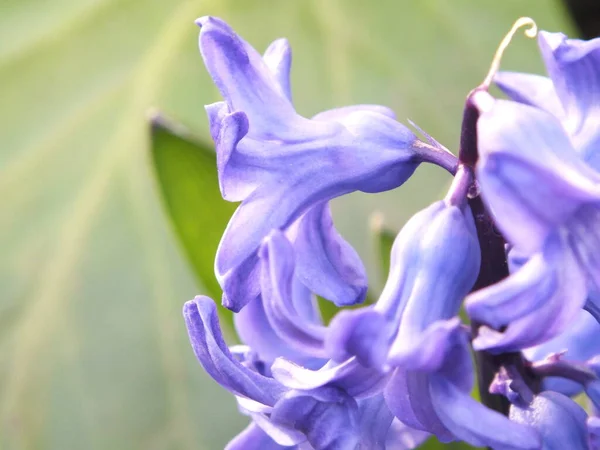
(564,369)
(493,269)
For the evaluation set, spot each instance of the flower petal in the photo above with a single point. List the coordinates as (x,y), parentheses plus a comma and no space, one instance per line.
(302,175)
(411,399)
(516,296)
(277,258)
(580,342)
(470,421)
(328,425)
(585,239)
(408,396)
(245,81)
(256,330)
(254,438)
(325,262)
(286,436)
(374,421)
(593,424)
(526,162)
(209,346)
(363,333)
(553,305)
(529,89)
(350,376)
(401,437)
(341,113)
(278,58)
(574,65)
(560,421)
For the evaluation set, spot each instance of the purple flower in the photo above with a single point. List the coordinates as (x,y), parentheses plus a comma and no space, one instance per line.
(560,421)
(593,424)
(284,322)
(288,417)
(411,344)
(543,151)
(435,261)
(284,167)
(579,343)
(527,162)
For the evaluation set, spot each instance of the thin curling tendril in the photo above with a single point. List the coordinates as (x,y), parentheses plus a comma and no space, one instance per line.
(530,32)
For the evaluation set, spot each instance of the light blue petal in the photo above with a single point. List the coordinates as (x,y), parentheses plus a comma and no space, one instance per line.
(278,58)
(254,438)
(560,421)
(211,350)
(530,89)
(581,341)
(470,421)
(296,332)
(527,162)
(325,262)
(547,309)
(574,66)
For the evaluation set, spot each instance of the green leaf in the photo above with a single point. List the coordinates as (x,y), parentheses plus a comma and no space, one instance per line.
(93,351)
(433,444)
(187,177)
(383,240)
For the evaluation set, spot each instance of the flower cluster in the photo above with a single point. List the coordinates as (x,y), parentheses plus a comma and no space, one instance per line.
(390,374)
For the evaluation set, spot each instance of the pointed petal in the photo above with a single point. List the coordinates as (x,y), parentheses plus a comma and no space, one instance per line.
(341,113)
(350,376)
(374,421)
(526,162)
(363,333)
(557,305)
(470,421)
(529,89)
(584,236)
(593,424)
(580,341)
(245,81)
(306,174)
(278,58)
(401,437)
(328,425)
(326,263)
(523,292)
(560,421)
(277,258)
(284,435)
(256,330)
(254,438)
(426,350)
(574,65)
(408,396)
(209,346)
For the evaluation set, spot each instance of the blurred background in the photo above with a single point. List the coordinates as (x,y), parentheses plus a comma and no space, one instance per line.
(93,349)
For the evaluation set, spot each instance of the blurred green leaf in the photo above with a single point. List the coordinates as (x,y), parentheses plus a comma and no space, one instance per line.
(383,240)
(93,351)
(187,176)
(433,444)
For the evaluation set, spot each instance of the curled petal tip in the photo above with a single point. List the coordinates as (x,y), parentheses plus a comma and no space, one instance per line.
(200,21)
(204,21)
(483,101)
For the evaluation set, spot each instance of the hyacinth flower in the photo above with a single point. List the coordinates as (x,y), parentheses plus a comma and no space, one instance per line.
(284,168)
(536,152)
(284,322)
(579,343)
(411,342)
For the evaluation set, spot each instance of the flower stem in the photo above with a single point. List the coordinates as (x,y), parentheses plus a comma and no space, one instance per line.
(493,268)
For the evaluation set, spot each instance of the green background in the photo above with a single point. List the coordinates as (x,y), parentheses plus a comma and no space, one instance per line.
(93,350)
